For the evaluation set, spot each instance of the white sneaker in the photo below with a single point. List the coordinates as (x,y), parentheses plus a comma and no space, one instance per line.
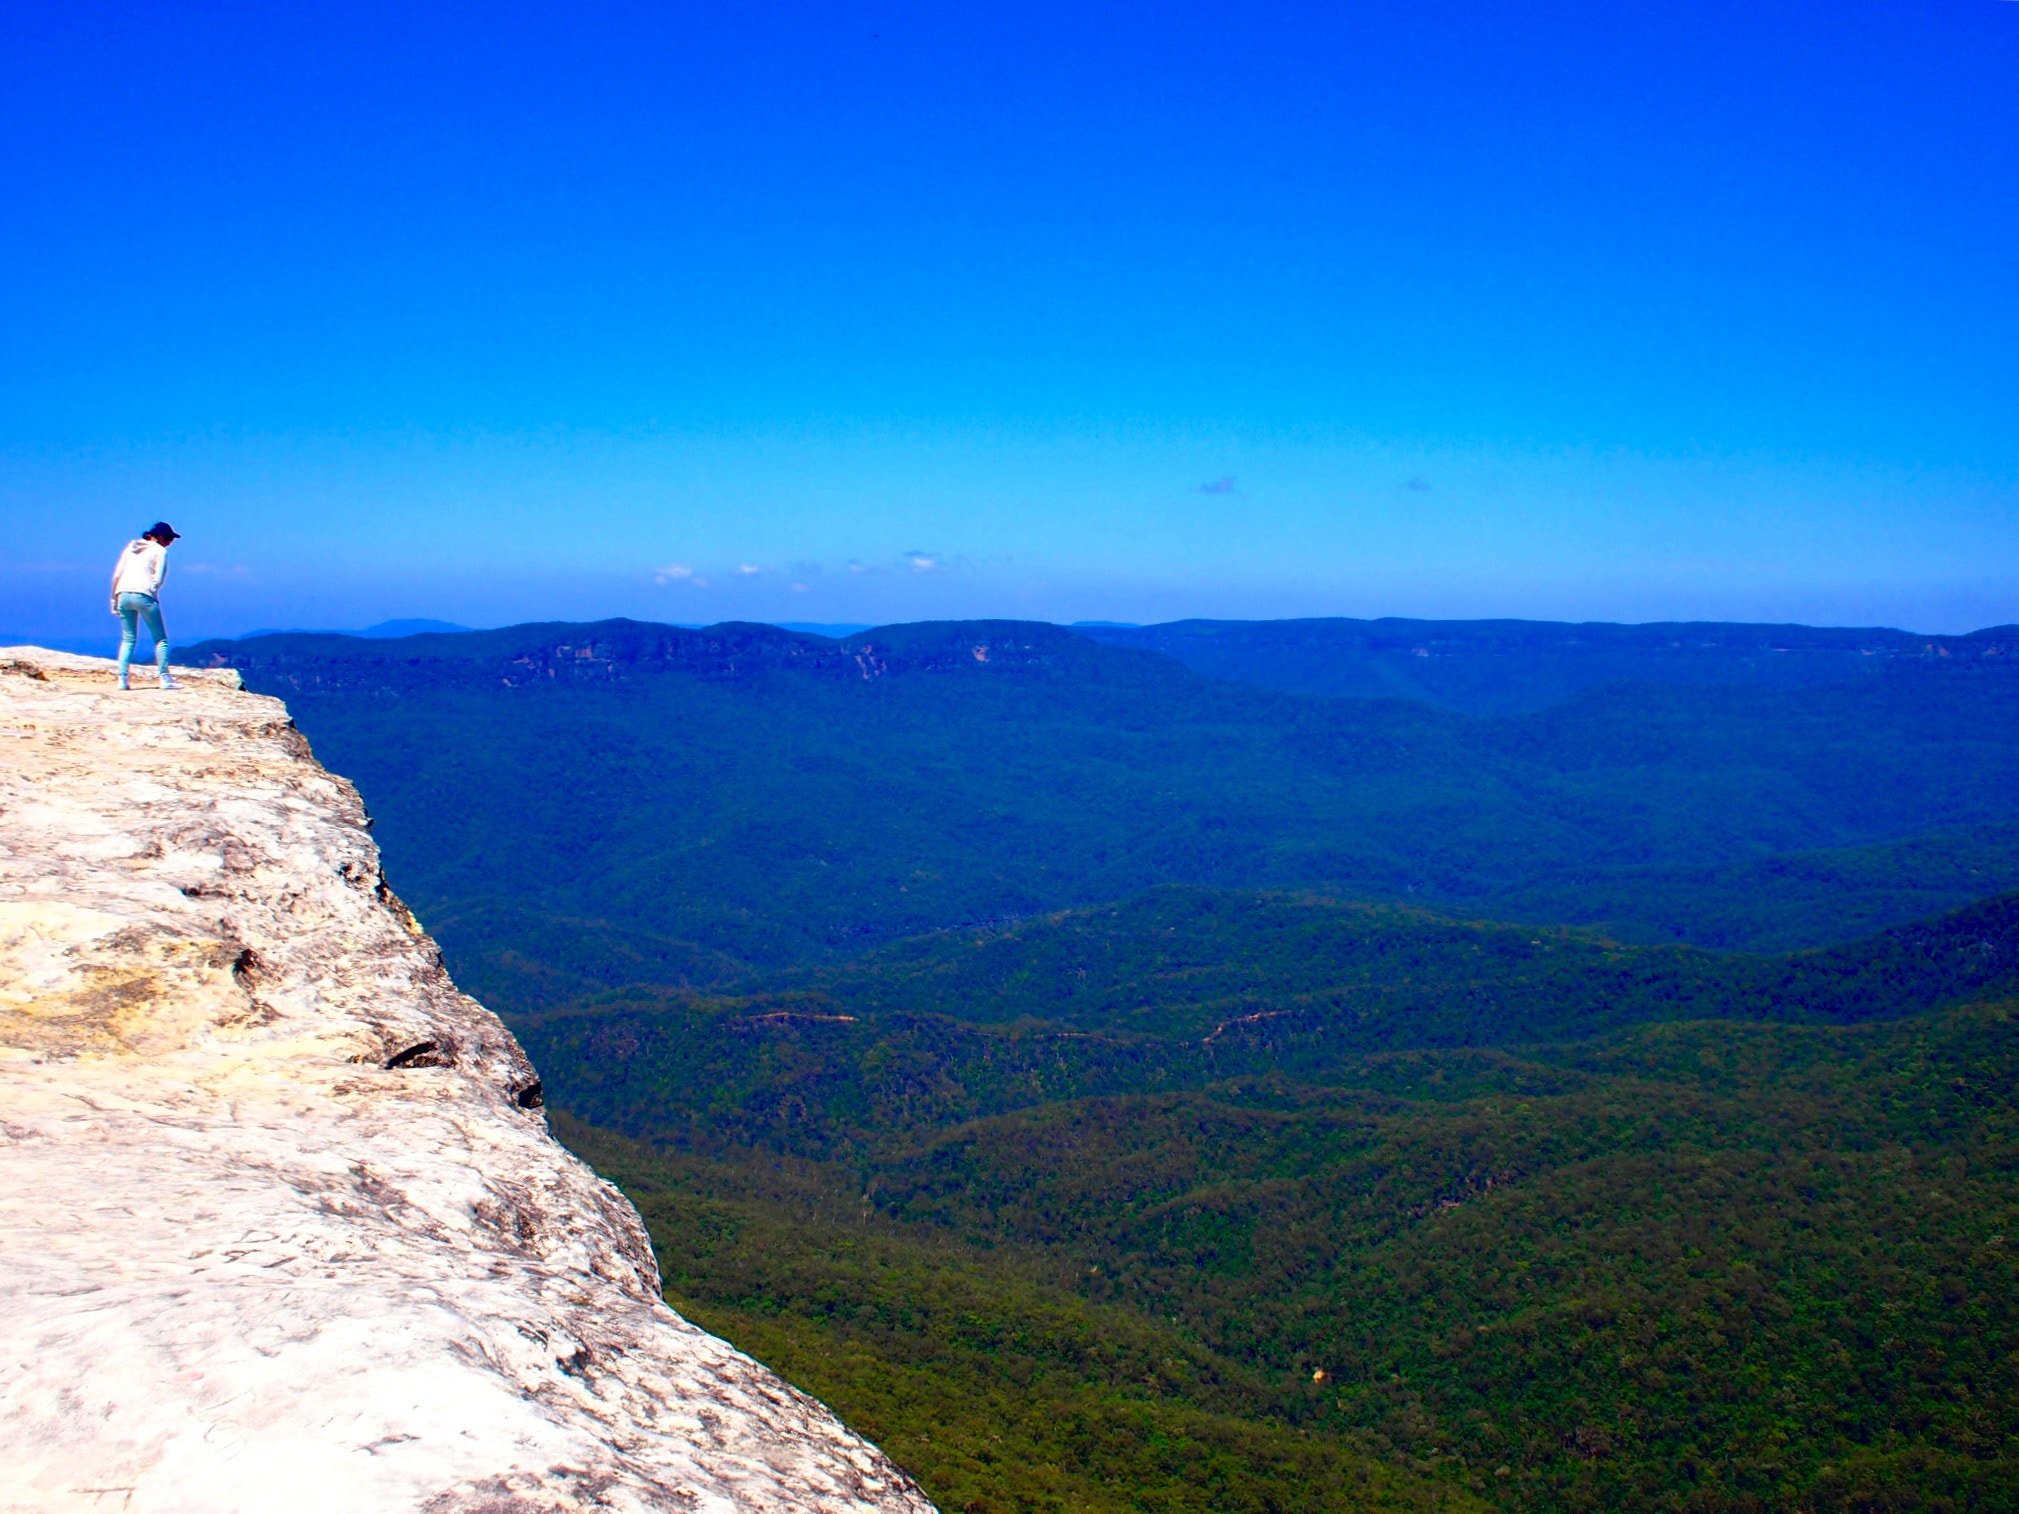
(125,687)
(169,685)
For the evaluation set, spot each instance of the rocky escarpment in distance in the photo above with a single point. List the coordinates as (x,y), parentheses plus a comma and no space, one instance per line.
(281,1226)
(619,651)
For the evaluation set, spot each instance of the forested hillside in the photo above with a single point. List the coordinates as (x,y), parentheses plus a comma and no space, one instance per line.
(1696,1266)
(1117,1088)
(1183,989)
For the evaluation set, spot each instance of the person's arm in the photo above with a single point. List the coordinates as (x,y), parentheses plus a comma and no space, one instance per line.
(116,562)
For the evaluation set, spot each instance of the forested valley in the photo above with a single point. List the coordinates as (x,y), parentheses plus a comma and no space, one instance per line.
(1323,1065)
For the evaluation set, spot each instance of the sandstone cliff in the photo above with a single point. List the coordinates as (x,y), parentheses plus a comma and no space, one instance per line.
(281,1226)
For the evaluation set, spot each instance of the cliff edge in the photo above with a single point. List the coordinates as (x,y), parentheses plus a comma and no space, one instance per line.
(281,1226)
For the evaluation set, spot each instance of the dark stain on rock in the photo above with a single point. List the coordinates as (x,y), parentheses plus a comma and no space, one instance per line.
(420,1054)
(247,970)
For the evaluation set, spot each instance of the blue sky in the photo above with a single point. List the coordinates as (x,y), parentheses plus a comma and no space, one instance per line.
(869,312)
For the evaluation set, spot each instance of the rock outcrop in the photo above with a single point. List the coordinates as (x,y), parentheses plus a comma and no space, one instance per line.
(281,1226)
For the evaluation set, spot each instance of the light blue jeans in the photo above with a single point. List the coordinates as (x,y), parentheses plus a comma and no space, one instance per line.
(132,609)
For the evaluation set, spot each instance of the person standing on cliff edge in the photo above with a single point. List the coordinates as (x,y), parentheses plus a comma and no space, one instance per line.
(136,596)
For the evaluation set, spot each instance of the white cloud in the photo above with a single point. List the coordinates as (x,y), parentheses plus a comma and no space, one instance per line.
(748,569)
(673,573)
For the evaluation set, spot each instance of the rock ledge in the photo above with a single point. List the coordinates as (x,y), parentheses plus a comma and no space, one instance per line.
(281,1226)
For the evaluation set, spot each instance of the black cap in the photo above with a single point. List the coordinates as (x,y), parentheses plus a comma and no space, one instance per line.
(163,530)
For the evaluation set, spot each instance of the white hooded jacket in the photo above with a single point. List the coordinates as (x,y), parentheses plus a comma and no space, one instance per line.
(142,568)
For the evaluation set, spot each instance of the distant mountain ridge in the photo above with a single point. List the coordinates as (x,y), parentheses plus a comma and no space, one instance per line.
(385,630)
(1482,667)
(609,650)
(1507,667)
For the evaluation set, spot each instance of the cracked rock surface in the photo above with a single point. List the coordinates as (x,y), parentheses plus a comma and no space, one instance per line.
(281,1226)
